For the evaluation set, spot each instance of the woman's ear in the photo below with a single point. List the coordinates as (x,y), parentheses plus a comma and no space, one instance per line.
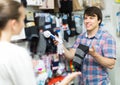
(13,25)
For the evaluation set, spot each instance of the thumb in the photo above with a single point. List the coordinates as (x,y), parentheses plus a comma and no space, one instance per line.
(92,49)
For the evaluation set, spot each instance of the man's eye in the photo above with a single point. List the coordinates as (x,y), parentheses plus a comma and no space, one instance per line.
(91,17)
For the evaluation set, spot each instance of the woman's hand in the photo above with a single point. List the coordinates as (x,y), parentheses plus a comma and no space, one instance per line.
(69,78)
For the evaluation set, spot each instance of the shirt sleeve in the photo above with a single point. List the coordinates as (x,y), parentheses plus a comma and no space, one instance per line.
(109,48)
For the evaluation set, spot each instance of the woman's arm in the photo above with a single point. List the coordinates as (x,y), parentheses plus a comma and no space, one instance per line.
(69,78)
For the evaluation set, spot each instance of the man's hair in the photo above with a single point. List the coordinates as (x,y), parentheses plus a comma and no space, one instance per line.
(92,11)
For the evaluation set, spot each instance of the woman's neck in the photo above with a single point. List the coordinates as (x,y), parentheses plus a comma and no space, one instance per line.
(5,36)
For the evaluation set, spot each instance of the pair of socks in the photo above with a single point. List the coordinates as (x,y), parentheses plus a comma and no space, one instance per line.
(80,53)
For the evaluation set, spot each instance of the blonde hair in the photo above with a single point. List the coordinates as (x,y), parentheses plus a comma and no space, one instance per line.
(9,9)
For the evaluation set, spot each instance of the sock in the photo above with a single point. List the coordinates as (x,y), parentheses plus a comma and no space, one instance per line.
(72,27)
(80,53)
(40,21)
(31,32)
(41,45)
(66,6)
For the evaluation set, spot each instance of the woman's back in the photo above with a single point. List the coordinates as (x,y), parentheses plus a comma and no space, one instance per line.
(15,65)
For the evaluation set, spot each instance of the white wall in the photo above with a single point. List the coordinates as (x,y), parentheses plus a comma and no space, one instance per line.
(110,9)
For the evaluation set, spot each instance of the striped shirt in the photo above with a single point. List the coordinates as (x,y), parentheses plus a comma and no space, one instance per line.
(92,72)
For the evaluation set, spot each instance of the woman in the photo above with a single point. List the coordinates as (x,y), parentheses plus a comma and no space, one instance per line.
(15,63)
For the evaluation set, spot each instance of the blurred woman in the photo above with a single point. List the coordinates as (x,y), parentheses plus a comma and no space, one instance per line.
(15,63)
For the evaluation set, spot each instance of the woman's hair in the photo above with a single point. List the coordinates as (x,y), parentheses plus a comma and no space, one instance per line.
(9,9)
(92,11)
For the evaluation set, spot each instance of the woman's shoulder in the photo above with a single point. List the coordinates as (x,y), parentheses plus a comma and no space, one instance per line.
(12,52)
(11,47)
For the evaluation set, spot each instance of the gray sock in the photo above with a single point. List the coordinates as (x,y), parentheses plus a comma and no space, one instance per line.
(41,45)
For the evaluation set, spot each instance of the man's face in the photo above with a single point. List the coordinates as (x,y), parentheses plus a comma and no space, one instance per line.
(91,22)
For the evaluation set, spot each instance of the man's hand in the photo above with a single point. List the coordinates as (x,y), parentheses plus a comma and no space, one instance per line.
(55,42)
(92,51)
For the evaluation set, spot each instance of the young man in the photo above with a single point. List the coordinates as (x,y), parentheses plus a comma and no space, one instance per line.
(102,50)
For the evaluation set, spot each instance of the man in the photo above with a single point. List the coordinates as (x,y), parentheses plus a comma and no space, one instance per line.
(102,50)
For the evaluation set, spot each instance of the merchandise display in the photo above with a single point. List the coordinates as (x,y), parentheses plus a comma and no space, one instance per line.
(58,20)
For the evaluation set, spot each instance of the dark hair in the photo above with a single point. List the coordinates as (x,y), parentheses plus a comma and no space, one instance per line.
(9,9)
(91,11)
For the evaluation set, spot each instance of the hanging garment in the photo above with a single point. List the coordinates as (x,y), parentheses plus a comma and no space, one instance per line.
(72,28)
(77,6)
(40,21)
(31,32)
(65,6)
(56,9)
(50,47)
(78,22)
(41,44)
(32,36)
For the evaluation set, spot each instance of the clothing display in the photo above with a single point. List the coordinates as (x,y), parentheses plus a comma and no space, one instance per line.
(15,65)
(64,17)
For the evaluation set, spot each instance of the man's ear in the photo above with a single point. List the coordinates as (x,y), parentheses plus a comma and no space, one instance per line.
(99,21)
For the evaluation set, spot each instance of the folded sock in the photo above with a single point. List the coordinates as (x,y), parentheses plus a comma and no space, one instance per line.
(80,53)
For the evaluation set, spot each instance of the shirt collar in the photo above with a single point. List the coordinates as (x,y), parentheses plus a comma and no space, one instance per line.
(97,35)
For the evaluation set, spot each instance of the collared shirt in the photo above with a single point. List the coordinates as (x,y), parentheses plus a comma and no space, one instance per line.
(92,72)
